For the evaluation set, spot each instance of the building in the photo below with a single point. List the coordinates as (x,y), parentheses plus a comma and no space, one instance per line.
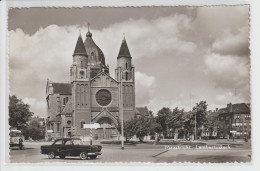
(235,121)
(143,111)
(92,95)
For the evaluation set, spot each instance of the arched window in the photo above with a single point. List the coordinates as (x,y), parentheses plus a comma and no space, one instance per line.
(126,76)
(81,64)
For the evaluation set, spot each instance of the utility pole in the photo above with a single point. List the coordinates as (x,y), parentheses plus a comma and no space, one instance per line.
(195,136)
(122,111)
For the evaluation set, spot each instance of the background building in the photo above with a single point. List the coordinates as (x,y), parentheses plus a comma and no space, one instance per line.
(235,120)
(92,96)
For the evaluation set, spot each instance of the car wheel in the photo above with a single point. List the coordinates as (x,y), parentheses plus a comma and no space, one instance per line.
(93,157)
(62,156)
(83,156)
(51,155)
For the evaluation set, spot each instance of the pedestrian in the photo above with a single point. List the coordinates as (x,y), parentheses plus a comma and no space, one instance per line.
(20,143)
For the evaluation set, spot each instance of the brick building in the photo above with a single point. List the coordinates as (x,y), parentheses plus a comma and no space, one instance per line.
(92,96)
(235,120)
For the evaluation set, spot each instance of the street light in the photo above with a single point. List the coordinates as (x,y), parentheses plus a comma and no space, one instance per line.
(195,136)
(122,115)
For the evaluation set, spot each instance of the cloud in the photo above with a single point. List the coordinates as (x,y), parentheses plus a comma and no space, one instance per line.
(204,53)
(35,105)
(229,72)
(232,43)
(145,87)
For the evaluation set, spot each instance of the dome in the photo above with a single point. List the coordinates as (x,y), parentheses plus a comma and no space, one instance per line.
(95,54)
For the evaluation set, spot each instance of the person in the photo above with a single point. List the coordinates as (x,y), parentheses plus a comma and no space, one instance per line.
(20,143)
(246,139)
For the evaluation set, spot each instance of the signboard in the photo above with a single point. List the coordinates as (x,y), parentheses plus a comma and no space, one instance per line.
(94,126)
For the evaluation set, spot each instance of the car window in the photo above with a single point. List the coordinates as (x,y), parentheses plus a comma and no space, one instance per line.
(77,142)
(59,142)
(69,142)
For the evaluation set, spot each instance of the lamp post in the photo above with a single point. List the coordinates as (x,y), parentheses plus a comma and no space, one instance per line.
(195,136)
(122,115)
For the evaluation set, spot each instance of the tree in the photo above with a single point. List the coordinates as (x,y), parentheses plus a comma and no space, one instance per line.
(161,119)
(19,113)
(142,127)
(129,128)
(33,130)
(175,120)
(200,110)
(155,127)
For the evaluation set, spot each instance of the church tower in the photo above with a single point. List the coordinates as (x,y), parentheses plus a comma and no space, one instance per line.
(80,87)
(80,61)
(125,75)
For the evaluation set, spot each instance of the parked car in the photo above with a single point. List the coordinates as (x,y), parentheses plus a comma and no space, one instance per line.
(71,147)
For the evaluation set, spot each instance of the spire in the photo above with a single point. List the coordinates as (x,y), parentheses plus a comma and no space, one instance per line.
(124,51)
(89,34)
(80,48)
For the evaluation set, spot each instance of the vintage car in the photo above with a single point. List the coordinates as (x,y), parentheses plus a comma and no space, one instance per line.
(71,147)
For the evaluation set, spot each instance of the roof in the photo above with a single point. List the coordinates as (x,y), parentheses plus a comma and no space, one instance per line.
(212,115)
(240,108)
(68,108)
(100,73)
(80,48)
(67,139)
(222,110)
(95,54)
(62,88)
(141,110)
(124,51)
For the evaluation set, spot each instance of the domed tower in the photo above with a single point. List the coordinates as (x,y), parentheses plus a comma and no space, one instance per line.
(96,58)
(125,75)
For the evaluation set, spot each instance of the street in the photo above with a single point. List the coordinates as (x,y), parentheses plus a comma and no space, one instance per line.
(239,152)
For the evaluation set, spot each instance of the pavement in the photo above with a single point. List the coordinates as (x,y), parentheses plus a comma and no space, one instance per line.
(213,152)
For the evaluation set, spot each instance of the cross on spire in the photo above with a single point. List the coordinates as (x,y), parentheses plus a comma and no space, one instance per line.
(88,26)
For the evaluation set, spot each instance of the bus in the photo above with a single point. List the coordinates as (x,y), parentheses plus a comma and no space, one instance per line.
(16,139)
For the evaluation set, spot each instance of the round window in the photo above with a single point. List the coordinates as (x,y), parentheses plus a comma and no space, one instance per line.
(81,72)
(103,97)
(68,122)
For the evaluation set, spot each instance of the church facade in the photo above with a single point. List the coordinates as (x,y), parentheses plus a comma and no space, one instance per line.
(92,96)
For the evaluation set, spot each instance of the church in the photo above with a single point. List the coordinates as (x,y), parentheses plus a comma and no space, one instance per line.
(92,95)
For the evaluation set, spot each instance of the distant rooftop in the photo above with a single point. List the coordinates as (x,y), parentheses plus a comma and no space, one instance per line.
(62,88)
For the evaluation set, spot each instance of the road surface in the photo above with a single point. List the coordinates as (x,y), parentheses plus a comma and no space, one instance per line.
(238,151)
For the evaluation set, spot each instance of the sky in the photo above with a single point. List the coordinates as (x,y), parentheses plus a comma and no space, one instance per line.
(181,55)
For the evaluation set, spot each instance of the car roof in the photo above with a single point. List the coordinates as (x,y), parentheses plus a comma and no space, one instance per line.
(67,139)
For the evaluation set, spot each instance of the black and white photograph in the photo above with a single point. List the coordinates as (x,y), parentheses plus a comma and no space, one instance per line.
(159,84)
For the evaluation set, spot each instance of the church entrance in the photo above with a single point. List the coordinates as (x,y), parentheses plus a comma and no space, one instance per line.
(107,129)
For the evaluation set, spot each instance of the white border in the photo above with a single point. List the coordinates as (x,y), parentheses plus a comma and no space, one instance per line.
(255,81)
(121,3)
